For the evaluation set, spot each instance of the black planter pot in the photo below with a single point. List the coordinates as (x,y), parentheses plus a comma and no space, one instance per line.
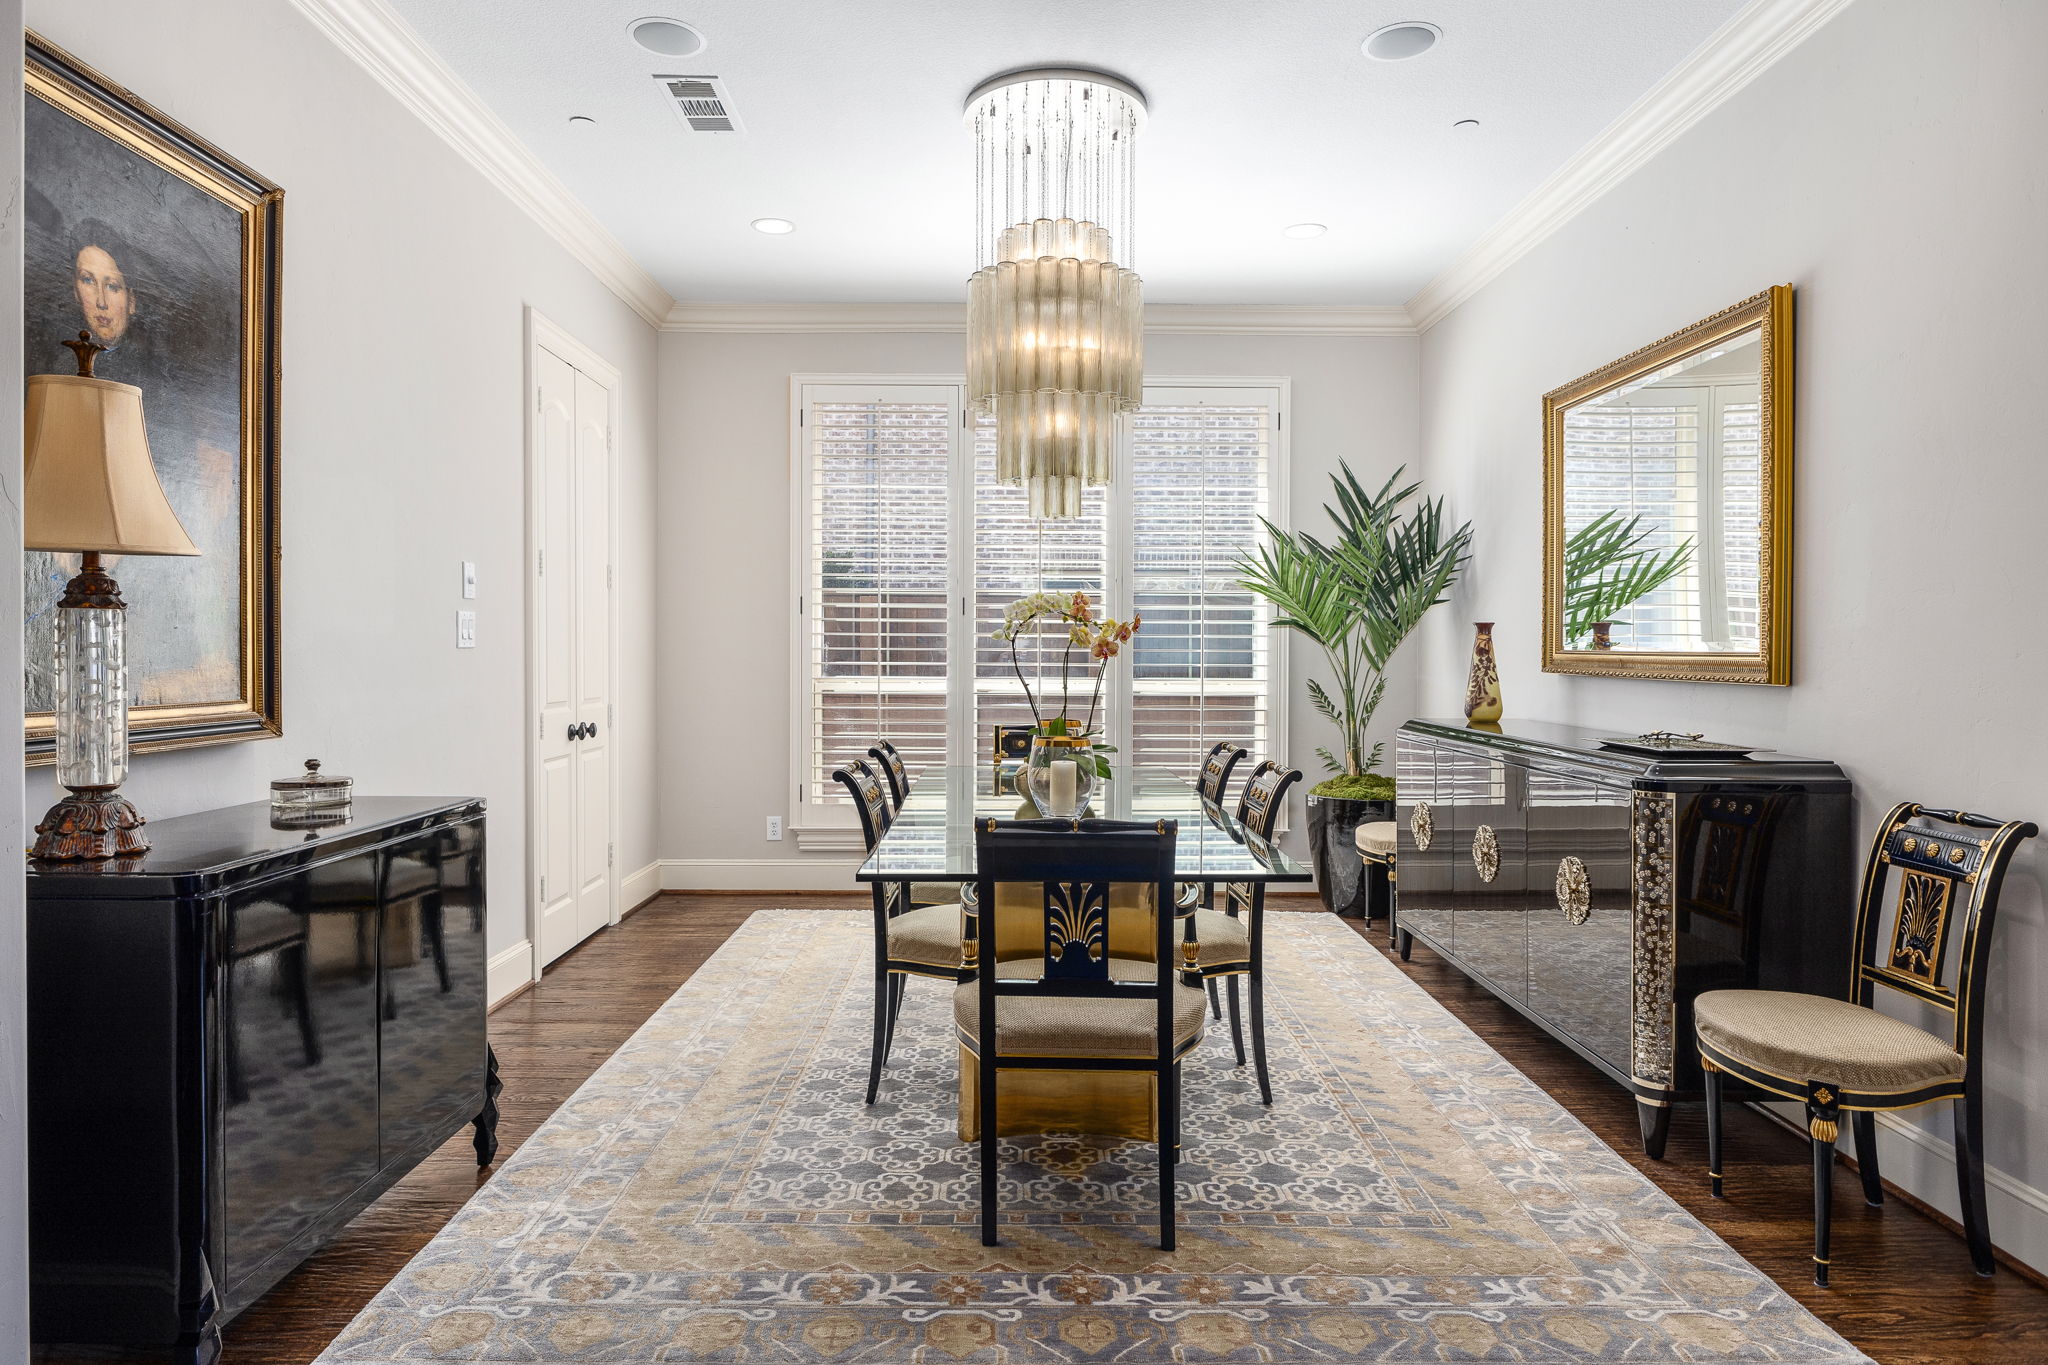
(1333,823)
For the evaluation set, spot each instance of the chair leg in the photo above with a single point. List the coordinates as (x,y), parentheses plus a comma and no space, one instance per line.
(880,1044)
(1970,1181)
(1215,1000)
(1169,1142)
(1823,1126)
(1865,1124)
(896,980)
(1406,943)
(1258,1003)
(1713,1074)
(991,1151)
(1236,1022)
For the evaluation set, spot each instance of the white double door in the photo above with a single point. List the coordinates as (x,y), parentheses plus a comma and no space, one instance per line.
(570,521)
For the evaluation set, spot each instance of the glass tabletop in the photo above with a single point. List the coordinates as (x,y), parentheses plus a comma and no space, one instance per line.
(932,838)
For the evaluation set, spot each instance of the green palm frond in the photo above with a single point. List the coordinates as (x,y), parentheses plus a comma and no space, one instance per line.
(1608,568)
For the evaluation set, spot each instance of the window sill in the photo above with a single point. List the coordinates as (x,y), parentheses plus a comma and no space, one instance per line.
(828,838)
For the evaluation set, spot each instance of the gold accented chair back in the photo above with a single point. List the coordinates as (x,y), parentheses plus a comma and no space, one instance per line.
(891,765)
(1217,764)
(869,800)
(1265,793)
(1012,744)
(1931,938)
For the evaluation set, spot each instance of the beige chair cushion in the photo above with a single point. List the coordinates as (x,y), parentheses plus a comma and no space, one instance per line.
(1225,941)
(1815,1038)
(1079,1026)
(929,936)
(934,893)
(1377,839)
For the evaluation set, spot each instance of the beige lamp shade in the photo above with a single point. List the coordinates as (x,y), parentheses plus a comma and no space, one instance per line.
(89,482)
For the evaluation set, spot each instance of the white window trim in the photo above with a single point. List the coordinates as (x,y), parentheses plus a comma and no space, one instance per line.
(836,827)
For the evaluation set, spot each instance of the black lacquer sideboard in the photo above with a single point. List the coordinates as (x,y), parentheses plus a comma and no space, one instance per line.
(237,1041)
(1599,892)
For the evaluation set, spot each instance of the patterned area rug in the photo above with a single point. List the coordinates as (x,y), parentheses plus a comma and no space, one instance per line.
(717,1191)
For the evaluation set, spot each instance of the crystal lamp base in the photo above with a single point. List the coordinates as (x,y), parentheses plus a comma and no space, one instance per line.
(90,823)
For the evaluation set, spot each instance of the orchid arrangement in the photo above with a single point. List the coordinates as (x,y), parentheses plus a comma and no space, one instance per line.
(1099,638)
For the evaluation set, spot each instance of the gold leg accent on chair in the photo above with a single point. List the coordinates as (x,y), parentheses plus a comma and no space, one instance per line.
(1713,1074)
(1824,1126)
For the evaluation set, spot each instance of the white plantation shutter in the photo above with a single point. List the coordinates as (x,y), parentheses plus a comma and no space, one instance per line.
(909,551)
(1014,556)
(1201,471)
(875,623)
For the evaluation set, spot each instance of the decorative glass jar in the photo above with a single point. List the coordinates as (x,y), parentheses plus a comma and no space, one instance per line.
(1060,775)
(310,799)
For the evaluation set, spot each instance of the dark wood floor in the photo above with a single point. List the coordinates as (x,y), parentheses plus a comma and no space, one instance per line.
(1904,1291)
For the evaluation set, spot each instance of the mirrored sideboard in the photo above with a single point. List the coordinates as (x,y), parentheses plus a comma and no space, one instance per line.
(1599,892)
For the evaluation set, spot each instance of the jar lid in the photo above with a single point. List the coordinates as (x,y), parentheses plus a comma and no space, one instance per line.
(312,780)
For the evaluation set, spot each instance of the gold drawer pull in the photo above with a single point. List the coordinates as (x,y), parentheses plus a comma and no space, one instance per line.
(1574,891)
(1422,824)
(1486,852)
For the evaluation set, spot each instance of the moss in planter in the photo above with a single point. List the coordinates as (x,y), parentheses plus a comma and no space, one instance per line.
(1364,787)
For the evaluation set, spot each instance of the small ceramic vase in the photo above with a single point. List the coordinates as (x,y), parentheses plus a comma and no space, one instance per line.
(1603,637)
(1482,688)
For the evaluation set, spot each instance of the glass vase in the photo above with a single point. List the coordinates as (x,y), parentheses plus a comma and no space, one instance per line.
(1060,775)
(92,697)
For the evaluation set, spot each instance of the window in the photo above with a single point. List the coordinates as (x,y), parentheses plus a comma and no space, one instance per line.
(908,550)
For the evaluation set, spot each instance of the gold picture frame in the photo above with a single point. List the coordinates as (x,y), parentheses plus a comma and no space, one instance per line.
(134,148)
(1771,663)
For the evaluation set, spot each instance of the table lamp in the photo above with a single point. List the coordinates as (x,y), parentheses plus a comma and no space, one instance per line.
(90,487)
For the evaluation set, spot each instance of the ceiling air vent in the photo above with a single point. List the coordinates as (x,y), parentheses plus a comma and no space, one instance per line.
(700,101)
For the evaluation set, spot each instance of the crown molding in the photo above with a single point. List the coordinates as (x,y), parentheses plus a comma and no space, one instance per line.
(1736,54)
(1167,318)
(385,46)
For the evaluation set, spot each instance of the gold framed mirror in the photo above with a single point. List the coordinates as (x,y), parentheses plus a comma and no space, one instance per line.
(1667,506)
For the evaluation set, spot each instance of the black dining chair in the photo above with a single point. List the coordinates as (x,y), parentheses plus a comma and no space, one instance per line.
(1843,1056)
(1214,778)
(909,940)
(890,763)
(1073,1006)
(1233,938)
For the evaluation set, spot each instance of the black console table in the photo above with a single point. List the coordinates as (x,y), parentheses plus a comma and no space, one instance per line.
(1598,892)
(237,1041)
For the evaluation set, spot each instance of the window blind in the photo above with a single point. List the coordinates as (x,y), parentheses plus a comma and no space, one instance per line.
(1200,477)
(876,615)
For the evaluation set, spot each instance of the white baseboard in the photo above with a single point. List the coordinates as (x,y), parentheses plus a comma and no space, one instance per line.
(510,971)
(636,887)
(761,874)
(1924,1166)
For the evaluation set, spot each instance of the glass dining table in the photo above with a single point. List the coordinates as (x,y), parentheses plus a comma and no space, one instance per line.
(932,837)
(932,840)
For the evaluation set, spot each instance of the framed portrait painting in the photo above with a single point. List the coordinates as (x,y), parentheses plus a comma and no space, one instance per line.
(167,251)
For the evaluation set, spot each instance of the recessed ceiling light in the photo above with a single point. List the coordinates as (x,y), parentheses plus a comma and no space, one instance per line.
(1299,230)
(1466,125)
(1399,42)
(775,227)
(666,37)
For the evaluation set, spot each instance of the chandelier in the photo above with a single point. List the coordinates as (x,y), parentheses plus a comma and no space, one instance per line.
(1055,325)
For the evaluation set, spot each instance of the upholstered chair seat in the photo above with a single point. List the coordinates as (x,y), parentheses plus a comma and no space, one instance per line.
(1225,941)
(1075,1026)
(928,936)
(1814,1038)
(1376,839)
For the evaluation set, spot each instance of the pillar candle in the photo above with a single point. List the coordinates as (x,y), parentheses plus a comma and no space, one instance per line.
(1066,785)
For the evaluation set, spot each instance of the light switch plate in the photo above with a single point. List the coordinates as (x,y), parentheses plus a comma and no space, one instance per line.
(465,630)
(468,578)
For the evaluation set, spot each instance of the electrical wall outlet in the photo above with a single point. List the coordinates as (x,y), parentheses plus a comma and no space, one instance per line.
(465,630)
(775,828)
(468,578)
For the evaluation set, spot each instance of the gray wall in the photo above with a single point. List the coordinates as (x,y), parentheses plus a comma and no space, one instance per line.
(725,554)
(406,274)
(1890,168)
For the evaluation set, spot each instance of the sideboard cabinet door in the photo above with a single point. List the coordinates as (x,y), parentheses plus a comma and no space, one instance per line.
(1581,921)
(1489,893)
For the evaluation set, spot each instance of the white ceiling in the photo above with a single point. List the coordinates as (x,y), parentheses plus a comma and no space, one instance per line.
(1262,115)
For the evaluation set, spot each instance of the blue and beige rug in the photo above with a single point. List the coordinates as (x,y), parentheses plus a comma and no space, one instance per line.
(717,1191)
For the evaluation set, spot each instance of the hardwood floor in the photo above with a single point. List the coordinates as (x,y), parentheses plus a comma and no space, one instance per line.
(1904,1291)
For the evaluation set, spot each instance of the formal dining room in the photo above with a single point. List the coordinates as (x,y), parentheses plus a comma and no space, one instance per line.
(793,682)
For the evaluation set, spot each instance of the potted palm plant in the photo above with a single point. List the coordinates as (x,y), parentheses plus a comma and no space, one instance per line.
(1607,569)
(1357,595)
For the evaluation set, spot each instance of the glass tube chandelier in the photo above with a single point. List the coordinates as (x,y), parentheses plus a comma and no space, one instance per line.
(1055,310)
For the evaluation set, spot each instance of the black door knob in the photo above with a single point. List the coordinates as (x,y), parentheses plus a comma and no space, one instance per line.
(590,729)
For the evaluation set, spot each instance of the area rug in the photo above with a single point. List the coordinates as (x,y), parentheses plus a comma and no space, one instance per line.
(717,1191)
